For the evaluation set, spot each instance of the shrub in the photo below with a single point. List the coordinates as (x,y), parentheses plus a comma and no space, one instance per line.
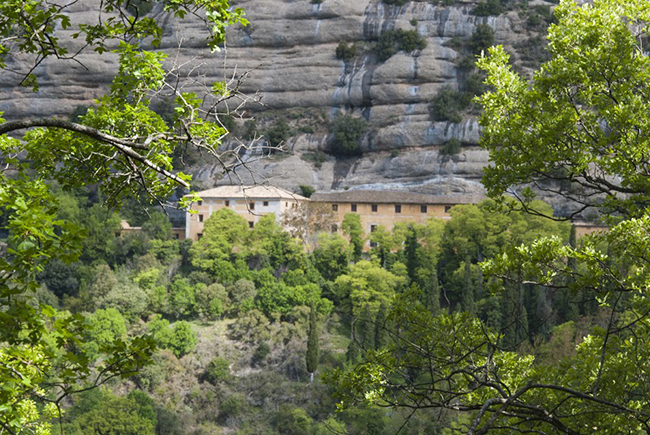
(261,353)
(318,158)
(278,133)
(183,339)
(447,105)
(395,2)
(306,191)
(489,7)
(481,39)
(218,370)
(346,52)
(451,147)
(392,41)
(347,132)
(210,300)
(394,153)
(232,407)
(250,130)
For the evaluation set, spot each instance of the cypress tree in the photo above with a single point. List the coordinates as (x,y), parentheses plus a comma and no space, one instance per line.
(381,334)
(313,350)
(367,329)
(432,297)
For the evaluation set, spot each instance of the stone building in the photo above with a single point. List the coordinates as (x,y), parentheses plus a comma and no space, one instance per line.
(250,202)
(386,208)
(375,207)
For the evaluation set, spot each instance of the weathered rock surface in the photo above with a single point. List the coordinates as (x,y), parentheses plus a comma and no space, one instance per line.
(289,51)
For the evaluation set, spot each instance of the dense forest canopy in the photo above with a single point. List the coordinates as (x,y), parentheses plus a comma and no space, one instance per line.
(496,321)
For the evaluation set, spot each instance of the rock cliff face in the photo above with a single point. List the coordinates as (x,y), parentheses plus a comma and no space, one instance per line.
(289,51)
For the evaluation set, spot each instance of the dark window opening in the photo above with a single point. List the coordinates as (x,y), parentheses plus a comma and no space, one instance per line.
(353,207)
(398,209)
(251,224)
(266,203)
(373,207)
(335,228)
(423,209)
(447,208)
(227,203)
(373,228)
(335,207)
(200,218)
(200,203)
(251,206)
(199,235)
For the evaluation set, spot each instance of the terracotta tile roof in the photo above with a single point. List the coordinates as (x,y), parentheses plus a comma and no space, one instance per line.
(394,197)
(249,192)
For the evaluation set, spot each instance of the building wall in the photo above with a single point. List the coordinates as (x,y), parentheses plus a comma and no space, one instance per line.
(387,216)
(194,223)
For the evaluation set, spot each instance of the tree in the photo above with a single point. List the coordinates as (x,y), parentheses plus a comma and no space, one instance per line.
(580,129)
(120,144)
(313,350)
(347,132)
(352,228)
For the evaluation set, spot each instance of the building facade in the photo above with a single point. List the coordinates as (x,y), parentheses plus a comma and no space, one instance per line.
(250,202)
(387,208)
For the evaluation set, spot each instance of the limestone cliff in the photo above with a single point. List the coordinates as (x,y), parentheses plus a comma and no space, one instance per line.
(289,51)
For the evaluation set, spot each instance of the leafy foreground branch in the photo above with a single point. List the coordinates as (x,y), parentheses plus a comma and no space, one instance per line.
(121,145)
(580,130)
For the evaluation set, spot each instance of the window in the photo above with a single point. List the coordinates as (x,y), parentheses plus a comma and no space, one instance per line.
(177,236)
(265,203)
(199,203)
(200,218)
(447,208)
(398,209)
(373,228)
(251,206)
(423,209)
(251,224)
(353,207)
(373,244)
(373,207)
(334,228)
(227,202)
(286,204)
(335,207)
(199,235)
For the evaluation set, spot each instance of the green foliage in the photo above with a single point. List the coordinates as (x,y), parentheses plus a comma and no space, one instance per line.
(367,284)
(180,339)
(352,228)
(572,122)
(183,339)
(347,132)
(306,190)
(250,130)
(313,348)
(291,420)
(346,52)
(450,148)
(106,414)
(448,104)
(489,7)
(331,255)
(482,38)
(392,41)
(105,326)
(218,370)
(278,133)
(395,2)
